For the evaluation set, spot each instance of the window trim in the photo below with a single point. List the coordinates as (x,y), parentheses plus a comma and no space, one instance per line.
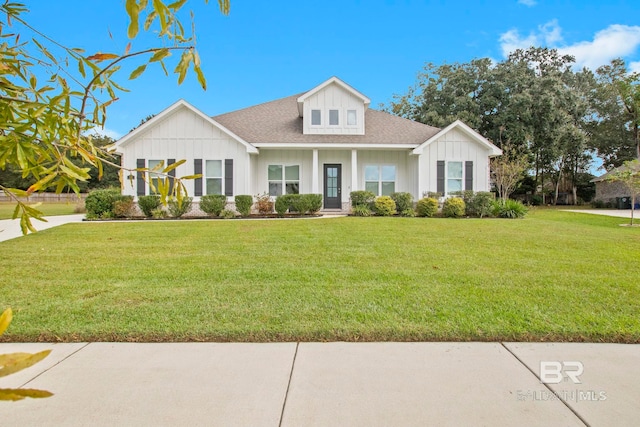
(380,180)
(207,177)
(446,176)
(284,181)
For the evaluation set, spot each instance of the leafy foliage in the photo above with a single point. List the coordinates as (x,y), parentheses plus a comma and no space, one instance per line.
(243,204)
(284,203)
(213,204)
(227,214)
(124,207)
(264,204)
(385,206)
(404,201)
(629,174)
(409,213)
(509,209)
(362,198)
(453,207)
(15,362)
(148,204)
(46,123)
(361,210)
(179,207)
(314,202)
(480,204)
(99,202)
(427,207)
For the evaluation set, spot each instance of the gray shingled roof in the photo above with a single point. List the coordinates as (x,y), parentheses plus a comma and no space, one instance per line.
(278,122)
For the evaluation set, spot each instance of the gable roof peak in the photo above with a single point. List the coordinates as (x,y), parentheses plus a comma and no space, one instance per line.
(336,81)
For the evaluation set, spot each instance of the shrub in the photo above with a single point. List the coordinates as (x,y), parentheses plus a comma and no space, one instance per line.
(315,202)
(148,204)
(403,201)
(480,204)
(264,204)
(427,207)
(453,207)
(509,209)
(213,204)
(385,206)
(362,198)
(536,200)
(227,214)
(361,210)
(123,208)
(300,203)
(100,201)
(409,213)
(177,209)
(283,203)
(433,195)
(598,204)
(243,204)
(158,213)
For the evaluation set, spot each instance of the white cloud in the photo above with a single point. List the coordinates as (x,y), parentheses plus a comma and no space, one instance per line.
(634,67)
(529,3)
(614,41)
(105,132)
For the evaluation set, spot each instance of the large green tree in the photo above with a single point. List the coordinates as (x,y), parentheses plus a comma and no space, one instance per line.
(45,122)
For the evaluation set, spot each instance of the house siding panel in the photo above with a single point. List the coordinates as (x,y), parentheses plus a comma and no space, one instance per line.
(333,97)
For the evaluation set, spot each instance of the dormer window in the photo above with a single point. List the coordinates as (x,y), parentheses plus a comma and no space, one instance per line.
(316,117)
(334,117)
(352,118)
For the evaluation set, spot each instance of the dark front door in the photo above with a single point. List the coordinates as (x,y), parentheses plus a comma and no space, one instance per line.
(332,186)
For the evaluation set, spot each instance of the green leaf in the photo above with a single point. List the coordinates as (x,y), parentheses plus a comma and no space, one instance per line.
(133,11)
(173,166)
(160,55)
(21,393)
(138,71)
(15,362)
(176,5)
(201,78)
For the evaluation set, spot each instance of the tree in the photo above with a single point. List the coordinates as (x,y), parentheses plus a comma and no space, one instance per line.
(44,125)
(629,175)
(507,170)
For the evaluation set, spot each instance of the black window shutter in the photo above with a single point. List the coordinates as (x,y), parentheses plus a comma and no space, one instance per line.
(172,174)
(140,189)
(440,180)
(468,176)
(197,170)
(228,177)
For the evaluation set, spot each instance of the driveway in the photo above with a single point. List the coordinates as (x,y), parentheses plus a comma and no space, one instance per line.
(620,213)
(10,228)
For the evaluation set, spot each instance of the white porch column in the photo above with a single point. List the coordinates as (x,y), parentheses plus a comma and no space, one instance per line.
(419,174)
(354,170)
(314,172)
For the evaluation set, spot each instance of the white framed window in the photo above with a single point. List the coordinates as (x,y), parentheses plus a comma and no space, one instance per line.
(283,179)
(352,118)
(334,117)
(154,176)
(316,117)
(213,177)
(454,176)
(380,179)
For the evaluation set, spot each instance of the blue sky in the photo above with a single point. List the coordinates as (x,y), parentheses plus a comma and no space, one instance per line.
(264,50)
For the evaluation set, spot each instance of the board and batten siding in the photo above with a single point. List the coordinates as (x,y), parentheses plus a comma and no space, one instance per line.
(333,97)
(454,146)
(184,135)
(260,173)
(406,171)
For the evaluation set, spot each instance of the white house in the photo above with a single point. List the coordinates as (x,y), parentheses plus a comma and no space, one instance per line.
(326,141)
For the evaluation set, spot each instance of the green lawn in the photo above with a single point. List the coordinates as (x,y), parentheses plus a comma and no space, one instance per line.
(49,208)
(552,276)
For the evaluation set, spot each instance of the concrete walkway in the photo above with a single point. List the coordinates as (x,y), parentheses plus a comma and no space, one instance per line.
(10,228)
(620,213)
(328,384)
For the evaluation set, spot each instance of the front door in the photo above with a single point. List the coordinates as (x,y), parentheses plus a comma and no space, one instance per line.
(332,186)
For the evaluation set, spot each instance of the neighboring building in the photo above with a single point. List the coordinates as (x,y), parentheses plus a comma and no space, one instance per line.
(325,141)
(612,191)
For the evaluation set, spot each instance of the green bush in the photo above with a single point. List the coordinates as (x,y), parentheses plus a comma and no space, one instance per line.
(361,210)
(385,206)
(158,213)
(427,207)
(148,204)
(177,209)
(123,208)
(509,209)
(362,198)
(301,204)
(598,204)
(480,204)
(284,203)
(403,201)
(314,201)
(213,204)
(98,202)
(243,204)
(453,208)
(433,195)
(409,213)
(227,214)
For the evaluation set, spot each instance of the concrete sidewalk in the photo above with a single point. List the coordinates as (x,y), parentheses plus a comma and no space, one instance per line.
(620,213)
(10,228)
(322,384)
